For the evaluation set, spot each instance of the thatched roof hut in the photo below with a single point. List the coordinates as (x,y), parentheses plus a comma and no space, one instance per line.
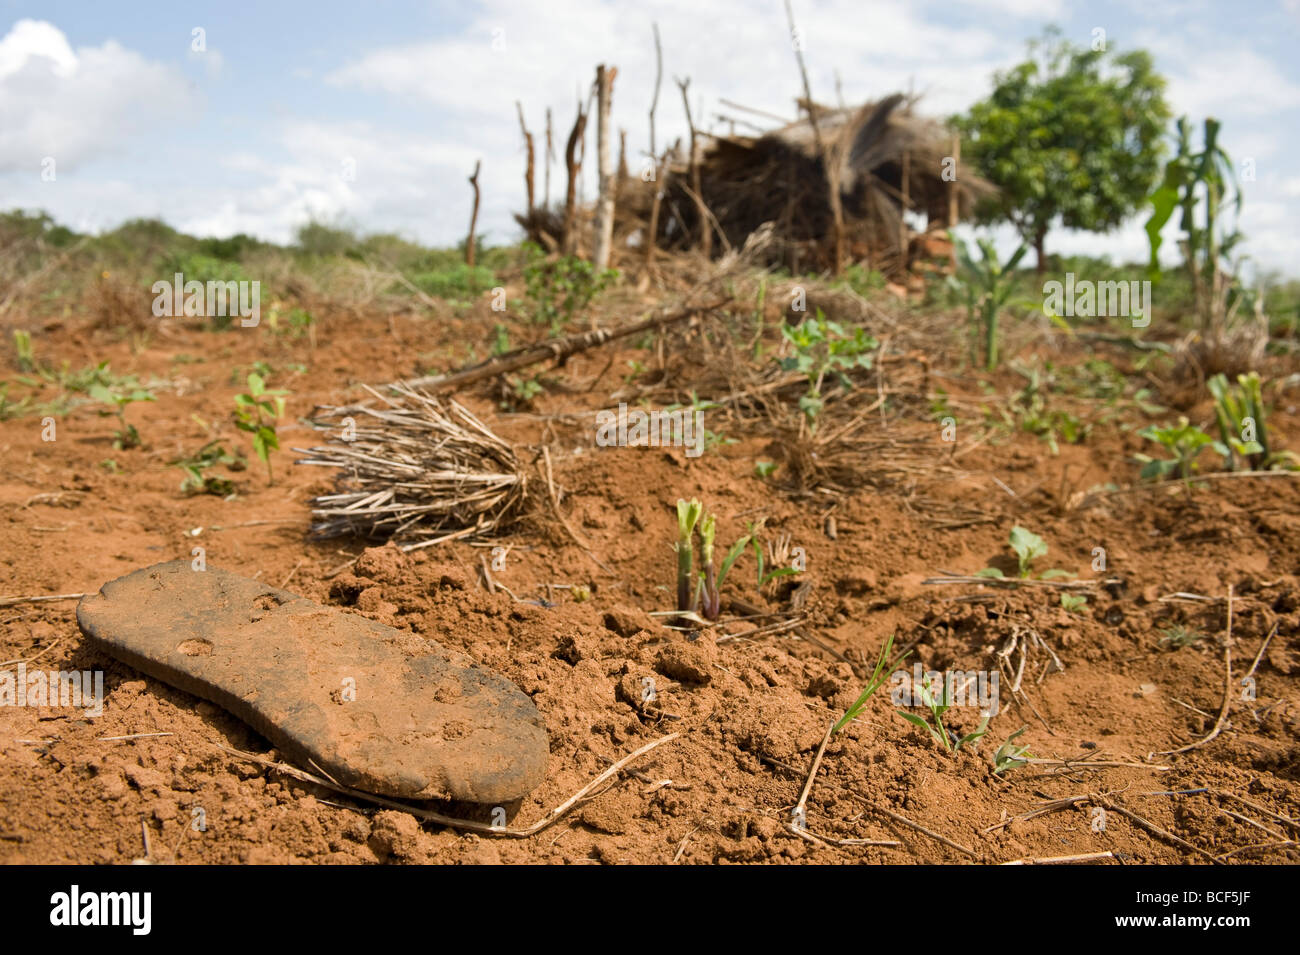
(779,177)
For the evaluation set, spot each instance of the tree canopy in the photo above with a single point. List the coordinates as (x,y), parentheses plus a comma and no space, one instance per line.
(1071,136)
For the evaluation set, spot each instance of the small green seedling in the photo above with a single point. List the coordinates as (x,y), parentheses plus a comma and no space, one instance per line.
(1177,637)
(879,676)
(765,469)
(23,351)
(823,348)
(1240,413)
(1010,755)
(1028,547)
(688,515)
(701,590)
(934,726)
(1073,603)
(211,454)
(126,436)
(256,412)
(1184,442)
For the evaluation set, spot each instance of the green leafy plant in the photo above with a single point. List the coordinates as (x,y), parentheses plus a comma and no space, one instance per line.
(1025,138)
(938,705)
(701,590)
(765,469)
(1191,178)
(559,289)
(1243,430)
(1028,547)
(882,672)
(1073,603)
(1031,413)
(821,349)
(711,601)
(1184,442)
(1010,755)
(1177,637)
(210,455)
(688,515)
(23,351)
(985,286)
(126,436)
(256,412)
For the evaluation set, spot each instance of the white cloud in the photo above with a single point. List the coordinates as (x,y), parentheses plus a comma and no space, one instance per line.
(79,105)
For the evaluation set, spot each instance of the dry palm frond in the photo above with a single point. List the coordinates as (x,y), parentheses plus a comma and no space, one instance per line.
(416,469)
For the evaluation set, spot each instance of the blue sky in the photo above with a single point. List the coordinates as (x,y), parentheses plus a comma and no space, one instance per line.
(259,130)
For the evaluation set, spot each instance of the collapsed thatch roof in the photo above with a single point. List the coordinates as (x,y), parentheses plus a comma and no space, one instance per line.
(779,177)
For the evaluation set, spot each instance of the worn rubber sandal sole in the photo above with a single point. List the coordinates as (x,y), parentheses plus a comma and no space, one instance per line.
(378,709)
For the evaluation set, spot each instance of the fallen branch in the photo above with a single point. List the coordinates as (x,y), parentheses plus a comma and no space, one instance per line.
(557,350)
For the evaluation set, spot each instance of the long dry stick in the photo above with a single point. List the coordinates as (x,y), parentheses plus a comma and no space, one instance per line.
(888,813)
(1227,691)
(470,825)
(557,350)
(1064,860)
(41,598)
(800,810)
(693,171)
(529,168)
(473,218)
(568,235)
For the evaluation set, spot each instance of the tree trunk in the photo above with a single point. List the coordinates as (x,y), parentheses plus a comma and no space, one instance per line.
(1039,236)
(605,167)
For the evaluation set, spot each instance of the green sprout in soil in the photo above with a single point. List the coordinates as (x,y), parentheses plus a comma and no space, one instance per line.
(126,436)
(1240,414)
(934,725)
(256,412)
(1073,603)
(985,287)
(1184,443)
(823,349)
(210,455)
(883,671)
(688,515)
(1177,637)
(699,593)
(558,290)
(23,351)
(1028,547)
(1010,755)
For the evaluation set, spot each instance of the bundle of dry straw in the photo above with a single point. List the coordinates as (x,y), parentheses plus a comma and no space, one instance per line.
(414,468)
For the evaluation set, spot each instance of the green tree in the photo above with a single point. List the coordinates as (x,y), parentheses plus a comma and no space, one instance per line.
(1071,135)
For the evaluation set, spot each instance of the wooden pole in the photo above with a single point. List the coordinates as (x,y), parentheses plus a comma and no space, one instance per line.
(568,237)
(473,218)
(605,168)
(706,230)
(660,168)
(550,155)
(907,203)
(528,171)
(829,162)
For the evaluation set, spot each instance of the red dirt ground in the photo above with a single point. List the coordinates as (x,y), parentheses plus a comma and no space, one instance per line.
(750,713)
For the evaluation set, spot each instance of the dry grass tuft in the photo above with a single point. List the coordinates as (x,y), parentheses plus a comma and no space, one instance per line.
(416,469)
